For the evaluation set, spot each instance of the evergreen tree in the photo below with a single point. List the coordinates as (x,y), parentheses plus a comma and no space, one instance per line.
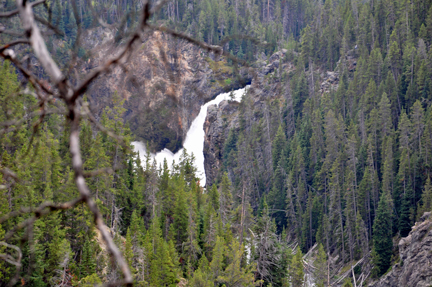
(382,237)
(225,199)
(296,270)
(426,201)
(321,271)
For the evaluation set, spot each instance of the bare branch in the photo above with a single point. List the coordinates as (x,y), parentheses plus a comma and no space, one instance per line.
(37,42)
(49,25)
(9,258)
(16,11)
(82,87)
(13,43)
(39,47)
(10,32)
(8,173)
(14,125)
(241,37)
(77,165)
(209,48)
(101,22)
(97,172)
(118,139)
(77,39)
(76,111)
(40,210)
(29,75)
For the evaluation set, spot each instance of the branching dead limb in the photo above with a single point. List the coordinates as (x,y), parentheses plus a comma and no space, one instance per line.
(120,140)
(97,172)
(70,95)
(43,209)
(13,43)
(9,258)
(7,54)
(16,11)
(49,25)
(37,42)
(83,86)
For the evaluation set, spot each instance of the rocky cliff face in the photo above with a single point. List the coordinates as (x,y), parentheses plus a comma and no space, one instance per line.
(164,84)
(216,128)
(415,251)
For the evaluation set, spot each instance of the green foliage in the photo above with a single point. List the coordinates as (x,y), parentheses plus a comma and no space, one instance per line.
(321,267)
(347,168)
(382,237)
(296,271)
(90,280)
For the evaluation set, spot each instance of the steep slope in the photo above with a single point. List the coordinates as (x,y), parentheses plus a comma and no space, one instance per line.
(415,252)
(225,117)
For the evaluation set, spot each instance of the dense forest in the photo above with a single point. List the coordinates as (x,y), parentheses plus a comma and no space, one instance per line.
(345,171)
(167,227)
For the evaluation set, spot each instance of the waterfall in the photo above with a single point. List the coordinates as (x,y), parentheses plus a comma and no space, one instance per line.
(194,142)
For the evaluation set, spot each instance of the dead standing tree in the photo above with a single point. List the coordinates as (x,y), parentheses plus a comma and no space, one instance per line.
(60,88)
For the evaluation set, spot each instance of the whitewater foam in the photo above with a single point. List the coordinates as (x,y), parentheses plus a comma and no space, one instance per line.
(194,142)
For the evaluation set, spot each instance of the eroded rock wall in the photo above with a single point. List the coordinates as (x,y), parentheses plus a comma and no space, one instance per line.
(164,83)
(415,265)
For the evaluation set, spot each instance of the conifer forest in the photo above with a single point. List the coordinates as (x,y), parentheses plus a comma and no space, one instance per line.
(317,177)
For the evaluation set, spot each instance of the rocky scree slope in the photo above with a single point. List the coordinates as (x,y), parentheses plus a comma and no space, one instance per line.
(415,252)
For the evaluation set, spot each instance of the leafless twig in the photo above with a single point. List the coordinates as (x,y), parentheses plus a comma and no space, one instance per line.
(13,43)
(9,258)
(15,12)
(70,95)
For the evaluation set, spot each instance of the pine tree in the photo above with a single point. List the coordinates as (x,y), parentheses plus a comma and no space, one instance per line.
(278,146)
(178,228)
(216,265)
(321,271)
(235,274)
(128,251)
(225,199)
(382,237)
(406,212)
(425,205)
(202,276)
(168,276)
(296,270)
(6,270)
(87,263)
(214,197)
(385,116)
(268,251)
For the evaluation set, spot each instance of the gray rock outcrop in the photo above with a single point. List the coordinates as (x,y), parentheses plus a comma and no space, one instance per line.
(415,266)
(216,132)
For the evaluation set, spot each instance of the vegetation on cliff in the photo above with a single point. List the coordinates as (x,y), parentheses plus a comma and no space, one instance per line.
(342,164)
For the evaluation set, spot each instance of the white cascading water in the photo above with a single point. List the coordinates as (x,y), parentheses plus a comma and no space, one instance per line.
(194,142)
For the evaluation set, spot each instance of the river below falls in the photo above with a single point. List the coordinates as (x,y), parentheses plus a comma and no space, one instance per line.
(194,142)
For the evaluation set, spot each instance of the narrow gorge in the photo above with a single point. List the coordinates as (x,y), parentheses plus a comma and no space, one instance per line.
(194,140)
